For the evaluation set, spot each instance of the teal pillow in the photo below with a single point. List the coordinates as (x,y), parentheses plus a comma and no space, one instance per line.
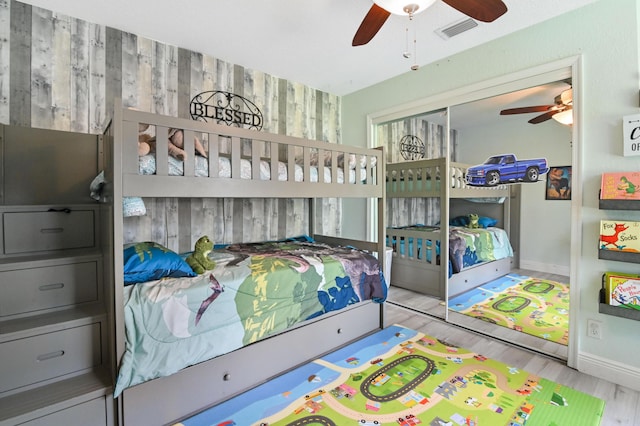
(149,261)
(486,222)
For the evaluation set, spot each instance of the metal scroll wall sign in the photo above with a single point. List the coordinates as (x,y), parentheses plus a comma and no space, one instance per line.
(411,147)
(225,108)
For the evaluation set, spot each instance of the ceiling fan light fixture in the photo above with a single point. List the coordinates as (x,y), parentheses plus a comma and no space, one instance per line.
(564,117)
(404,7)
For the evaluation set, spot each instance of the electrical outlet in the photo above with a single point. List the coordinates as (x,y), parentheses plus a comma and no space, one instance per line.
(594,329)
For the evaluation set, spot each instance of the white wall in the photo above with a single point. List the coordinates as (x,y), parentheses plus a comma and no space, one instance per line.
(605,33)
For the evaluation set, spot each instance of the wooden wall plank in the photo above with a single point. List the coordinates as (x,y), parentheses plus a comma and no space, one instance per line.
(171,75)
(158,78)
(184,232)
(283,91)
(184,83)
(129,69)
(209,73)
(144,88)
(225,76)
(62,72)
(113,69)
(96,102)
(5,55)
(197,62)
(228,213)
(41,69)
(319,123)
(20,47)
(80,70)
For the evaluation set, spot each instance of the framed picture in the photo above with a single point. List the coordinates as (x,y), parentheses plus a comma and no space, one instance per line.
(558,183)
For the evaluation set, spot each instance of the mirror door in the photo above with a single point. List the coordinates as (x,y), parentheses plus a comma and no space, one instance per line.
(537,215)
(412,221)
(528,302)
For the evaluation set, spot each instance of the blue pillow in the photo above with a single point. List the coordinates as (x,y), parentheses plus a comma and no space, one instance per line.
(150,261)
(486,222)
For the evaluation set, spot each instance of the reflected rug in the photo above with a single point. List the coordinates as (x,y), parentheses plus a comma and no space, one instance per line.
(530,305)
(398,376)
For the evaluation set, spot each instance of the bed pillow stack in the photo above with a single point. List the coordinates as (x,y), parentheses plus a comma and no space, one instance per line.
(484,221)
(149,261)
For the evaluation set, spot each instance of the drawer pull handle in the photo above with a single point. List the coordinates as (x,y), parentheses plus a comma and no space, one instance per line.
(226,377)
(65,210)
(52,286)
(51,230)
(50,355)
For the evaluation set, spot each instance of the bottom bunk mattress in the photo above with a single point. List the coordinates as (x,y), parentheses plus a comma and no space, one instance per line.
(467,246)
(254,291)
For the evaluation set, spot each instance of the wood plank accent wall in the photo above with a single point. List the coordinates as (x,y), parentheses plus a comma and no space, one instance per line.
(59,72)
(411,211)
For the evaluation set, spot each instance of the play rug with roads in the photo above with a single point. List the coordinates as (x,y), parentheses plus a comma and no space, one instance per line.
(398,376)
(535,306)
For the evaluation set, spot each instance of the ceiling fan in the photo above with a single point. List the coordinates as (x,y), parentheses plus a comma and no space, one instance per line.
(563,103)
(480,10)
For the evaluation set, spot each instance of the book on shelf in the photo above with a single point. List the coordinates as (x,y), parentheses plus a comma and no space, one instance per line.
(621,289)
(620,235)
(620,186)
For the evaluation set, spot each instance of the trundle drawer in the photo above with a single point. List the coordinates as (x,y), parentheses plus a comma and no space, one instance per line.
(31,290)
(26,232)
(46,356)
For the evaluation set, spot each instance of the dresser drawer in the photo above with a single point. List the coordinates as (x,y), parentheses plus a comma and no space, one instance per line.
(30,290)
(26,232)
(46,356)
(92,413)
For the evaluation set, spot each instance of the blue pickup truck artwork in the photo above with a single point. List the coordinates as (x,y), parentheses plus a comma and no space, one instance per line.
(506,168)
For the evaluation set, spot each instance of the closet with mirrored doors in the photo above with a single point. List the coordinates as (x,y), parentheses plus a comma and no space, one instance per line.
(481,186)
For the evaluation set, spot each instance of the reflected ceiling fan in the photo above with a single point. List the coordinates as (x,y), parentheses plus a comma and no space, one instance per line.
(480,10)
(560,110)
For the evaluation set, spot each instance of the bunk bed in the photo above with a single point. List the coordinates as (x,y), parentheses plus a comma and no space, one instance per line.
(430,258)
(238,165)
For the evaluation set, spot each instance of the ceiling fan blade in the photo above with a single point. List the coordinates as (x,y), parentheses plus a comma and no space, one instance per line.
(480,10)
(544,117)
(370,25)
(526,110)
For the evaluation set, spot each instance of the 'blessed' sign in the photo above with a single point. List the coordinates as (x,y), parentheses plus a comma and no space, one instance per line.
(228,108)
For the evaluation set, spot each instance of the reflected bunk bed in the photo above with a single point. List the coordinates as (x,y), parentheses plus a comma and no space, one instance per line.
(426,262)
(332,295)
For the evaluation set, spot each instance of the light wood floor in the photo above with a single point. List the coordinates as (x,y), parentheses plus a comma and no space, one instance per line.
(622,404)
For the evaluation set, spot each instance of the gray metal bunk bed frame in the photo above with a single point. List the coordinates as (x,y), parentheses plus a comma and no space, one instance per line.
(414,269)
(169,399)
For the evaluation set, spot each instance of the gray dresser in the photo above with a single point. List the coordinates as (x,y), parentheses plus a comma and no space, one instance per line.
(54,327)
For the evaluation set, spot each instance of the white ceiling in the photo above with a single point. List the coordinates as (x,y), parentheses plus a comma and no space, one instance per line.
(304,41)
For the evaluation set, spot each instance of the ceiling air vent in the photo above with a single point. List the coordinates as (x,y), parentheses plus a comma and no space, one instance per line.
(456,28)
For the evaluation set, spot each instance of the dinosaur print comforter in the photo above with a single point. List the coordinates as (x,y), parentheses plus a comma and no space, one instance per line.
(254,291)
(468,246)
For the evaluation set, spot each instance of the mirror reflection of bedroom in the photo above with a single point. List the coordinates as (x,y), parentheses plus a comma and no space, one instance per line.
(508,265)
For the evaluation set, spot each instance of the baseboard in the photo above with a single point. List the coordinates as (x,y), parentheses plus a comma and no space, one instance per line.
(545,267)
(611,371)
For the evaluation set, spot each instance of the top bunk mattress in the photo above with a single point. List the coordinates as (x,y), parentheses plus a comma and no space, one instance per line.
(176,168)
(212,160)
